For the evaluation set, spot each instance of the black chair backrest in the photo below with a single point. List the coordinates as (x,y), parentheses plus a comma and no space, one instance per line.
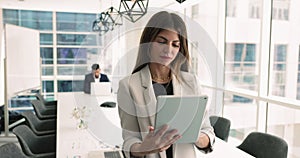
(32,144)
(41,111)
(39,127)
(11,150)
(263,145)
(221,127)
(51,104)
(39,97)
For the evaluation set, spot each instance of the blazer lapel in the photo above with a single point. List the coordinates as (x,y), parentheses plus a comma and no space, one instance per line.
(149,96)
(176,86)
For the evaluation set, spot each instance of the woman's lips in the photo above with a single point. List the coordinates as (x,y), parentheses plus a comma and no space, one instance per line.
(165,57)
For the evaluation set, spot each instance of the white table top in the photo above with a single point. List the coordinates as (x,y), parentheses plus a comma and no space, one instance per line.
(104,131)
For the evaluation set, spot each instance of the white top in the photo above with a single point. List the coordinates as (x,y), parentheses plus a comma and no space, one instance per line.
(97,79)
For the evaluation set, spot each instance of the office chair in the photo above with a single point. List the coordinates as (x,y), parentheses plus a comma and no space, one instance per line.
(41,111)
(33,145)
(11,150)
(39,127)
(47,103)
(221,127)
(263,145)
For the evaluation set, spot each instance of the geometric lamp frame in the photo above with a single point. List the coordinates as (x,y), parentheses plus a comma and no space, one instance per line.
(180,1)
(133,10)
(114,17)
(102,23)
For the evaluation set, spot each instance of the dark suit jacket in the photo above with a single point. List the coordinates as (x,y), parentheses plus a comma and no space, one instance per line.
(90,78)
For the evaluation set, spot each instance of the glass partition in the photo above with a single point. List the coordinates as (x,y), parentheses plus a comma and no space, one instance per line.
(74,22)
(69,85)
(48,86)
(46,55)
(284,122)
(284,57)
(242,43)
(242,112)
(46,39)
(76,39)
(47,71)
(71,70)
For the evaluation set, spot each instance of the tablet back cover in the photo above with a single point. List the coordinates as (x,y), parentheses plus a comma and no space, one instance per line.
(184,113)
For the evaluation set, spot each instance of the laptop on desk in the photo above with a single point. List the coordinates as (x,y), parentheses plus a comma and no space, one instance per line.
(100,88)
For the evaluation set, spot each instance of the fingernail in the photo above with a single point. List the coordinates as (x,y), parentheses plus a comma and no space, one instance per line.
(151,128)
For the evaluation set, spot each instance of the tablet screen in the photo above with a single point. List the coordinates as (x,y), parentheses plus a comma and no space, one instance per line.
(184,113)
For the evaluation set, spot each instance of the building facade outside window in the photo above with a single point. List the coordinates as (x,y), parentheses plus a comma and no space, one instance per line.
(279,70)
(240,65)
(280,10)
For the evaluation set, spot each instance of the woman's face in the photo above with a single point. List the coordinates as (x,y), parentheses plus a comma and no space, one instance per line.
(165,47)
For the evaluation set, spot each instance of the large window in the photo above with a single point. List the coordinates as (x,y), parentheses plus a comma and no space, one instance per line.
(71,56)
(70,85)
(279,70)
(242,113)
(240,65)
(77,39)
(258,40)
(284,122)
(48,86)
(74,22)
(46,55)
(32,19)
(66,51)
(46,39)
(262,55)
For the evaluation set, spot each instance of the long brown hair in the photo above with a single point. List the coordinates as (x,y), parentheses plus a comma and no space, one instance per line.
(163,21)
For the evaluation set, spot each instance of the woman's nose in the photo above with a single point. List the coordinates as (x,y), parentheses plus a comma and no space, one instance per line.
(168,47)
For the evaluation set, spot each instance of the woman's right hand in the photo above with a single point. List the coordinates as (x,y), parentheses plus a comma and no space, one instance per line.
(155,142)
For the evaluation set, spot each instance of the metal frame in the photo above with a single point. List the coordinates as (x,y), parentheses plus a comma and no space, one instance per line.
(133,12)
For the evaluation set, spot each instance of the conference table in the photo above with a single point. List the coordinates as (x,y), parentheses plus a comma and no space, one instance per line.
(84,128)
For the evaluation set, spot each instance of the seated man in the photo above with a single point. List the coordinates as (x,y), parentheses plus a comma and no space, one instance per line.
(94,76)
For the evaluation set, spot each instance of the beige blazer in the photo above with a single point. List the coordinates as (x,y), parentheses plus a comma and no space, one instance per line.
(137,108)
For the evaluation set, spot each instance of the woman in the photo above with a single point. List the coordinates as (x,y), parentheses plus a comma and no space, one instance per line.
(161,69)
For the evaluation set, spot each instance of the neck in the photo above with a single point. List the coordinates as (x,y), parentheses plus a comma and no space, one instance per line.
(160,73)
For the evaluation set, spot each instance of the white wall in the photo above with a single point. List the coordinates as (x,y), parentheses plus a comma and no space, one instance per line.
(22,59)
(1,60)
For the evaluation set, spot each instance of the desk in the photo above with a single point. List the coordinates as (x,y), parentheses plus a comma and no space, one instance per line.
(104,131)
(103,125)
(224,149)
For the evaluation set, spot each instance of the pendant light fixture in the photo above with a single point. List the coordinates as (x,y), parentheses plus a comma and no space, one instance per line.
(180,1)
(114,18)
(133,10)
(101,24)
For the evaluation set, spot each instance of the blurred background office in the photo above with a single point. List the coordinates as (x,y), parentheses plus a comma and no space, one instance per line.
(258,42)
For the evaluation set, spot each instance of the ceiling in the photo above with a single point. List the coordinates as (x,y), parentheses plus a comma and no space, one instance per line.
(87,6)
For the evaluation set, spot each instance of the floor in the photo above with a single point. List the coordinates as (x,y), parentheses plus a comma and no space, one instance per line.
(10,138)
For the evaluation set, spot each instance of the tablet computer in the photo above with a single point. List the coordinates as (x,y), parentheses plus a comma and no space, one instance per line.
(184,113)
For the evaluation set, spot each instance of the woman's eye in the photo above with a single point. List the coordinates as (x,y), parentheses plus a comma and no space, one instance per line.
(176,45)
(161,42)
